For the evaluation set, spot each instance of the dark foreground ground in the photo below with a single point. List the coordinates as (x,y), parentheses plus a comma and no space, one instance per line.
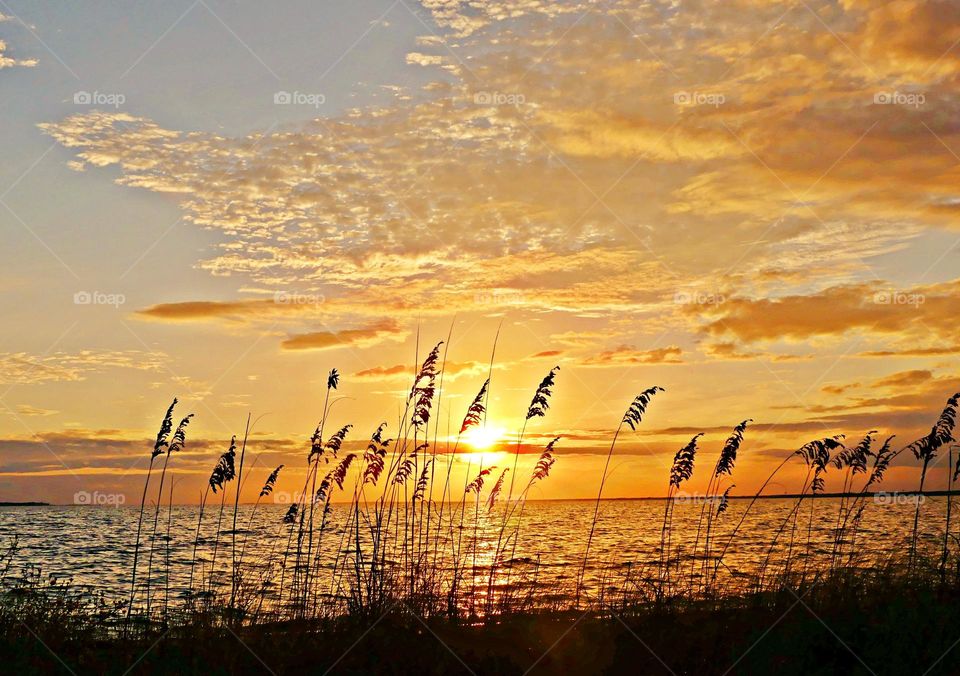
(900,629)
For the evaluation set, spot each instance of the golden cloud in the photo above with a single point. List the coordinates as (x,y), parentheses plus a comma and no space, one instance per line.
(932,310)
(451,370)
(361,337)
(627,354)
(25,368)
(755,163)
(229,310)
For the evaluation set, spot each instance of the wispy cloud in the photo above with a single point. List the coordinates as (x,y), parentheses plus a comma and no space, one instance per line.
(360,337)
(25,368)
(626,355)
(7,61)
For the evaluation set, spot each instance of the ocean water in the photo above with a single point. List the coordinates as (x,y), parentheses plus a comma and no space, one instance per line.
(92,548)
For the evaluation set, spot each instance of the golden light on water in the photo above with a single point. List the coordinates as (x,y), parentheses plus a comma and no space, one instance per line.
(477,459)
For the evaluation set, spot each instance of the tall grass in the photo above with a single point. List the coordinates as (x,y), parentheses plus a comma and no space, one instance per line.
(223,472)
(680,471)
(166,426)
(538,407)
(632,417)
(405,535)
(177,441)
(723,468)
(925,450)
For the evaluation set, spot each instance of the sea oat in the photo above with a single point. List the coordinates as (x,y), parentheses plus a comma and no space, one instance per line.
(224,470)
(545,463)
(270,482)
(941,433)
(728,455)
(682,468)
(476,409)
(495,491)
(476,485)
(638,407)
(541,398)
(375,456)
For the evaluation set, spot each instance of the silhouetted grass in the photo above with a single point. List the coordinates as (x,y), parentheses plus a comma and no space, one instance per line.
(411,566)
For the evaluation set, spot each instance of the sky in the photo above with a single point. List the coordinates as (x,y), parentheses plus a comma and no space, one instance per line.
(751,204)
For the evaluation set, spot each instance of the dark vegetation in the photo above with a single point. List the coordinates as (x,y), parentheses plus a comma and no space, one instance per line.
(416,584)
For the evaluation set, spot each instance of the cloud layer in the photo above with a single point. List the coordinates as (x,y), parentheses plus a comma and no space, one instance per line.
(783,152)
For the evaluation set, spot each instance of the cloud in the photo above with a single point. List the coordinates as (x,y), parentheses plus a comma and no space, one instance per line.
(591,199)
(241,310)
(593,135)
(874,308)
(910,378)
(839,389)
(914,38)
(423,59)
(914,352)
(705,151)
(361,337)
(385,372)
(25,368)
(627,354)
(34,411)
(7,61)
(909,400)
(727,350)
(451,371)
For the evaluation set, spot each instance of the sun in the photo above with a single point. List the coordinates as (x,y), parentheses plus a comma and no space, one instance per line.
(483,437)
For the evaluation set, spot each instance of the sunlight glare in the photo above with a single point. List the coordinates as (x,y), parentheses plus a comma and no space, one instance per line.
(484,437)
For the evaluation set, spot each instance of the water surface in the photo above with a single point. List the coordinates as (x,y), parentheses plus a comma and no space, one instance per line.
(93,547)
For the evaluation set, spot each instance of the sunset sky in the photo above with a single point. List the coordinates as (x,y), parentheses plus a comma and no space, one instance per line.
(752,204)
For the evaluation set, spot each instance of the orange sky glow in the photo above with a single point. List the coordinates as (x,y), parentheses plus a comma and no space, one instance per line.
(751,204)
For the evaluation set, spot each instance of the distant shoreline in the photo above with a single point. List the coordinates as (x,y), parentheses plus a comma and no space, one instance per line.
(680,498)
(693,497)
